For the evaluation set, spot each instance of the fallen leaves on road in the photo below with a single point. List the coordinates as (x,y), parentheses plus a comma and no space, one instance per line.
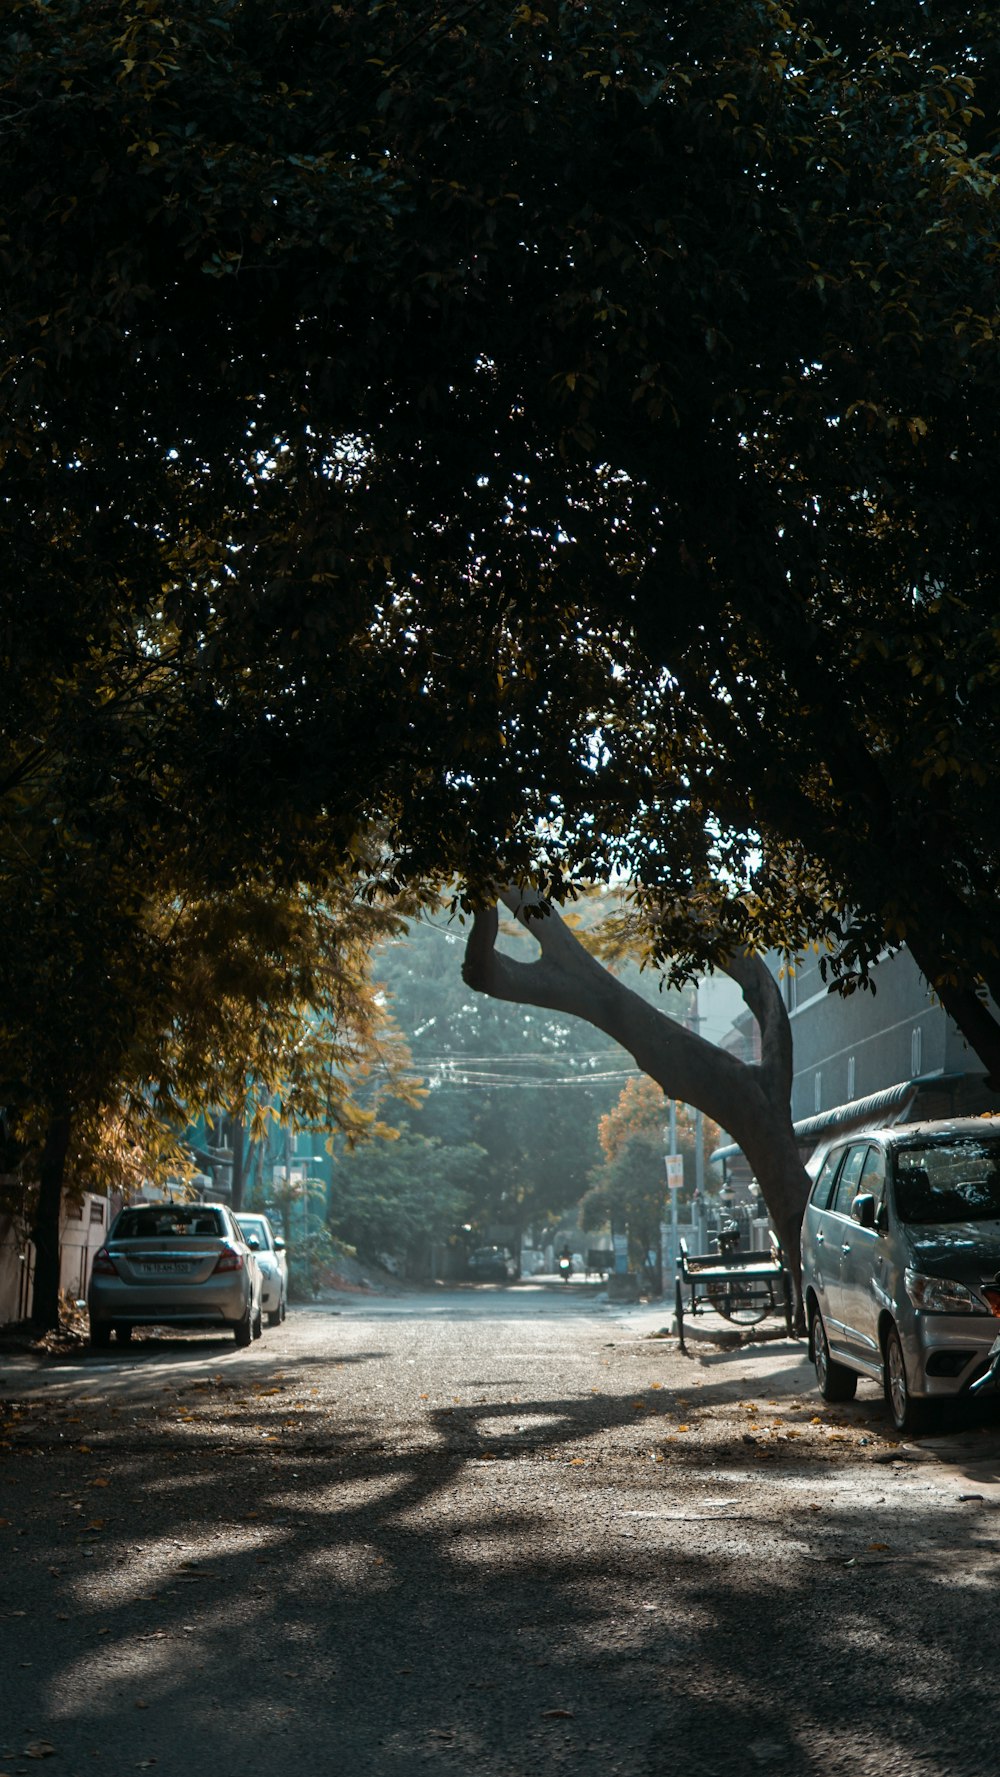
(38,1749)
(557,1715)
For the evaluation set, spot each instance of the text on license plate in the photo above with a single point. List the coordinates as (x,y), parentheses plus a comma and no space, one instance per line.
(170,1267)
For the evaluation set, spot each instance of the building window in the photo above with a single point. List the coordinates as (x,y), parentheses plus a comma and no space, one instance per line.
(916,1048)
(851,1082)
(817,1091)
(96,1213)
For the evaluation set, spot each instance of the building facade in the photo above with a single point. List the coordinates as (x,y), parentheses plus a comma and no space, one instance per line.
(889,1054)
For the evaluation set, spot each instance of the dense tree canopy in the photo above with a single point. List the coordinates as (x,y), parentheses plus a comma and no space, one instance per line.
(561,433)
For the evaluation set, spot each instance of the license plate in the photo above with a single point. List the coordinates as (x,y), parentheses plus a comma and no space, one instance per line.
(164,1267)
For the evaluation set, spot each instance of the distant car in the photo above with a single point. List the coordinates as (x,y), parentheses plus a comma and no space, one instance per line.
(273,1261)
(177,1265)
(901,1263)
(492,1264)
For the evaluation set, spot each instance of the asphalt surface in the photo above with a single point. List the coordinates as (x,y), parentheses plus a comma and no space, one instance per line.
(492,1531)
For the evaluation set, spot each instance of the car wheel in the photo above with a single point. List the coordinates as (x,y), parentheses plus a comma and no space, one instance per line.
(834,1381)
(100,1334)
(123,1332)
(243,1330)
(906,1413)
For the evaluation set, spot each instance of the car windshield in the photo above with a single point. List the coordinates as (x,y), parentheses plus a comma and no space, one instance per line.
(167,1222)
(255,1227)
(949,1181)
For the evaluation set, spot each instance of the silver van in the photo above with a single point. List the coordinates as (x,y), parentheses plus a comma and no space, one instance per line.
(900,1263)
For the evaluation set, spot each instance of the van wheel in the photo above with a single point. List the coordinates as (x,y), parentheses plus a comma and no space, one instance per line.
(834,1381)
(907,1414)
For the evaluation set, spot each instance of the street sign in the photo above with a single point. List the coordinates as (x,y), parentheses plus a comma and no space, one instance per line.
(674,1164)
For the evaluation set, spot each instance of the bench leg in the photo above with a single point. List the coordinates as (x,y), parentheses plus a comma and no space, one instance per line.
(679,1310)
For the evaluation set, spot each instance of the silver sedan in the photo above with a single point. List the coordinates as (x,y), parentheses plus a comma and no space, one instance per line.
(178,1265)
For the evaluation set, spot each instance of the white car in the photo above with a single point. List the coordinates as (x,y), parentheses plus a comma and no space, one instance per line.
(272,1258)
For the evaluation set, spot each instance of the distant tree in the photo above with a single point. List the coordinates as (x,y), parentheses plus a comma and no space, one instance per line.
(396,1197)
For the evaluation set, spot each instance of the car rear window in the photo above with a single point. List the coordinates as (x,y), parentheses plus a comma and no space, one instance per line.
(154,1222)
(256,1226)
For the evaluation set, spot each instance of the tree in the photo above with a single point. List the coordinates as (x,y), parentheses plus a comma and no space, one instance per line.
(427,370)
(397,1197)
(526,1087)
(258,1001)
(749,1100)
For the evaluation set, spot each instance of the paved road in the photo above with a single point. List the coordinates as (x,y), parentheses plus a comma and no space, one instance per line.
(491,1531)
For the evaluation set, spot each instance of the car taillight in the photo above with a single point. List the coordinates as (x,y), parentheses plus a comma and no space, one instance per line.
(104,1265)
(993,1298)
(228,1260)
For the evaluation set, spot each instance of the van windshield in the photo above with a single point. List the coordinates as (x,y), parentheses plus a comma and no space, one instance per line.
(949,1181)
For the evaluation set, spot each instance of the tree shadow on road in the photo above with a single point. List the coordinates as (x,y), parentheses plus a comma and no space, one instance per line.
(503,1587)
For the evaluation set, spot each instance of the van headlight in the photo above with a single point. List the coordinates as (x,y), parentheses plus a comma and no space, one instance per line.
(942,1295)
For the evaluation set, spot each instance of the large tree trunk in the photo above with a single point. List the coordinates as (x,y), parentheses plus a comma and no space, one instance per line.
(749,1100)
(45,1233)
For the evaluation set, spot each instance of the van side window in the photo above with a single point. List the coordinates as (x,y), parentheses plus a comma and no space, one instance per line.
(872,1179)
(824,1183)
(848,1182)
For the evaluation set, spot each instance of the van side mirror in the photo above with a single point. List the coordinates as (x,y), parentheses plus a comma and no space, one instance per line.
(863,1210)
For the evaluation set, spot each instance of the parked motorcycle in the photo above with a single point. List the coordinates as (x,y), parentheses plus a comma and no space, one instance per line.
(565,1267)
